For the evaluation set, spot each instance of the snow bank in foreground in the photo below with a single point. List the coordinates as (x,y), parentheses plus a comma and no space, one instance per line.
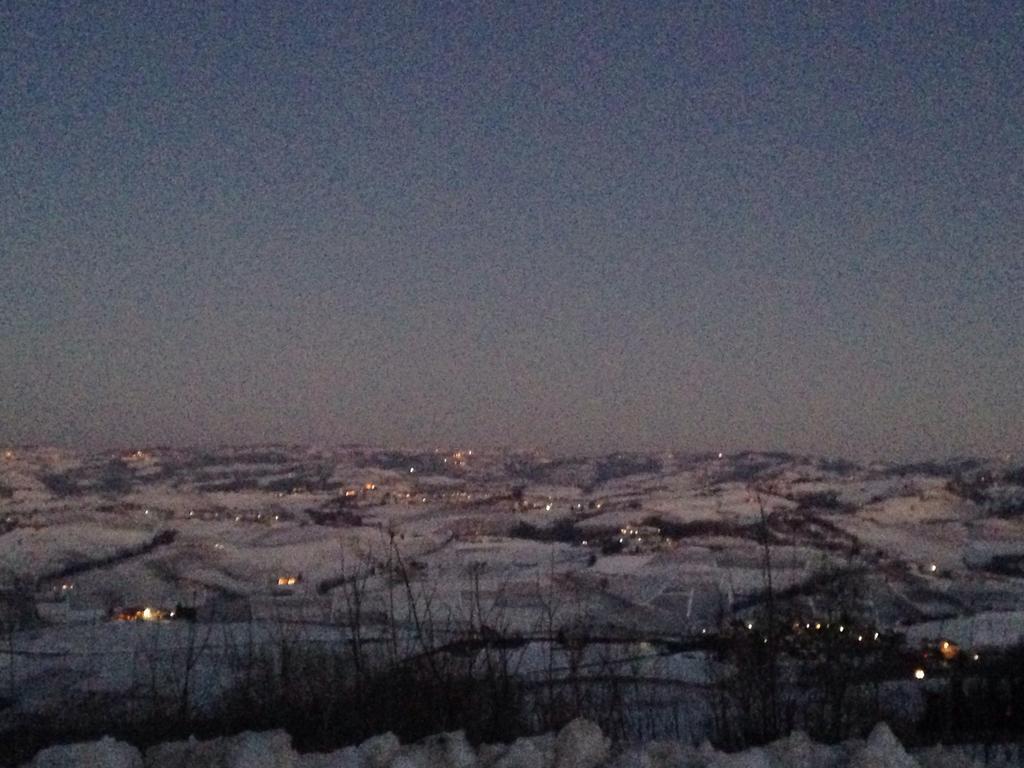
(579,745)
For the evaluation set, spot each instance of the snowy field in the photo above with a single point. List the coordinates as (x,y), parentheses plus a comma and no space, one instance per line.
(255,544)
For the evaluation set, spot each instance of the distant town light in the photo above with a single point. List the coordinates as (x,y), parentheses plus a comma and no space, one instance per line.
(412,469)
(933,567)
(919,674)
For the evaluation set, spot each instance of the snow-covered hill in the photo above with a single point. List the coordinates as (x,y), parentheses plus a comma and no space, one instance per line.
(258,543)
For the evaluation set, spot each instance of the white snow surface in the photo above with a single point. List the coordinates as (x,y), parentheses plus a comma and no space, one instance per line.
(580,744)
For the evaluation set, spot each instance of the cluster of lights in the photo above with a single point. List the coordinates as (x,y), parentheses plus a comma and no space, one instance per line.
(146,614)
(817,626)
(458,458)
(949,651)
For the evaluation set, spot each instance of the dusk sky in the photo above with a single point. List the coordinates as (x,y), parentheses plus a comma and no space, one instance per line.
(630,225)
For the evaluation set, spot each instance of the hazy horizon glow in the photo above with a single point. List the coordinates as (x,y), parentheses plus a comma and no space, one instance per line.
(641,226)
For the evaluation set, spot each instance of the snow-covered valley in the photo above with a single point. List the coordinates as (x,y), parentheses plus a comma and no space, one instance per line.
(164,577)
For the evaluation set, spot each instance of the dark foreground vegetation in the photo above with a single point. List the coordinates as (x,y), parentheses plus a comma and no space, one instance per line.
(764,675)
(820,680)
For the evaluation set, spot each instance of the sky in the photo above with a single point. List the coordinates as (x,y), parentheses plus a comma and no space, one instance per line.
(575,227)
